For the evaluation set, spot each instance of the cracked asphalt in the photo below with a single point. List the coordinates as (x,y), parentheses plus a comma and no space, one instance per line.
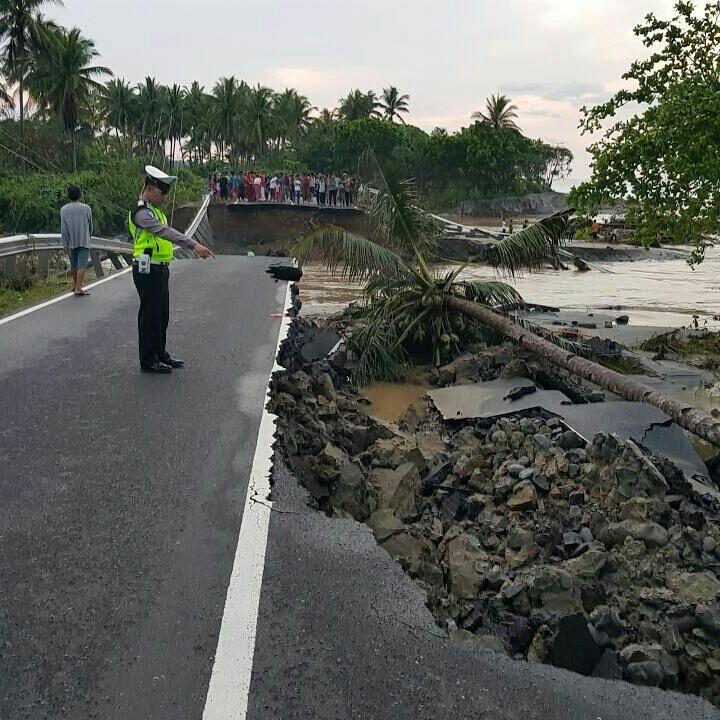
(121,497)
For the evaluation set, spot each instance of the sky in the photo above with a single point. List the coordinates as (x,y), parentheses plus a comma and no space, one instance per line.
(550,56)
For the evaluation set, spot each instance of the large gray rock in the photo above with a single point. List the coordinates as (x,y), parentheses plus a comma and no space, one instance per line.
(645,673)
(351,493)
(652,534)
(573,646)
(608,667)
(397,489)
(464,560)
(690,587)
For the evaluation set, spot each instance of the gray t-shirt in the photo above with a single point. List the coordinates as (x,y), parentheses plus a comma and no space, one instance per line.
(76,225)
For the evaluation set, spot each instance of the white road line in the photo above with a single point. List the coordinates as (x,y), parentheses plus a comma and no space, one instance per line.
(227,697)
(57,299)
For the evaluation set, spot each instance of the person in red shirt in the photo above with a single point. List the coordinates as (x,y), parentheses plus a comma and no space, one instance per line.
(306,188)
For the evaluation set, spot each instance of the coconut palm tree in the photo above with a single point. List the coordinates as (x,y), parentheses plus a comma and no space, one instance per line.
(258,118)
(292,116)
(25,32)
(152,104)
(393,103)
(359,105)
(119,105)
(499,113)
(176,113)
(407,300)
(228,97)
(197,120)
(326,117)
(411,307)
(62,79)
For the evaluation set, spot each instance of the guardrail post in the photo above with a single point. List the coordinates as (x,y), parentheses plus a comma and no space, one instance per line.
(115,260)
(44,264)
(9,267)
(97,265)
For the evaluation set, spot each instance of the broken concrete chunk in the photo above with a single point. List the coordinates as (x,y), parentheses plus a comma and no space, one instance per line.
(524,497)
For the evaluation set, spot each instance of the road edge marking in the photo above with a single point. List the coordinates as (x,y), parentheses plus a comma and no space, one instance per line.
(229,688)
(64,296)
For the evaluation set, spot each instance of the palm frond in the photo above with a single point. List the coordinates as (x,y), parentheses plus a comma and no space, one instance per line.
(529,248)
(394,207)
(356,257)
(380,355)
(488,292)
(380,285)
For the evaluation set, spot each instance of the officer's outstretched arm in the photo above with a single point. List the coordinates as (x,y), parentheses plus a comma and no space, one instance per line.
(145,219)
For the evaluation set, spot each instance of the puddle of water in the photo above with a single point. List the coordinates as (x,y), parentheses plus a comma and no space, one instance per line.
(390,401)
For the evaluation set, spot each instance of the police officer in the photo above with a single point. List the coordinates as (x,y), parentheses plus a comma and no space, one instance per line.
(153,253)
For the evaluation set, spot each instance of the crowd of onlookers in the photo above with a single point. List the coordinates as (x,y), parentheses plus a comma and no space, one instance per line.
(330,189)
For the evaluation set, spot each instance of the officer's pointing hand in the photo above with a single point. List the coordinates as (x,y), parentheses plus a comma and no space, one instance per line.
(203,252)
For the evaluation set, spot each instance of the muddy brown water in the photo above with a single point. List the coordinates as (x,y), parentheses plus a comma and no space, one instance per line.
(390,401)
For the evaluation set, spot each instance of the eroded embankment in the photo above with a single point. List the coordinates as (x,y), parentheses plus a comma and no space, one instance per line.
(593,557)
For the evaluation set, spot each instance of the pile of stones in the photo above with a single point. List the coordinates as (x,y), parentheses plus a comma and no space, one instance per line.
(529,541)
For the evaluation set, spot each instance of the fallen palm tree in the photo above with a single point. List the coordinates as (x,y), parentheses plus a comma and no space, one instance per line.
(409,305)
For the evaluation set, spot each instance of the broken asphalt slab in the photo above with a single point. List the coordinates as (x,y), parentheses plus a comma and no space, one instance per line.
(639,422)
(489,399)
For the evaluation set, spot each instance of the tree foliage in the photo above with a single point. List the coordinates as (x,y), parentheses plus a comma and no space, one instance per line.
(499,113)
(660,146)
(235,125)
(393,103)
(31,203)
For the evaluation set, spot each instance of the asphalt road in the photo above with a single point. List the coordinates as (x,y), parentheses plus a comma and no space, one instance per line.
(121,493)
(121,500)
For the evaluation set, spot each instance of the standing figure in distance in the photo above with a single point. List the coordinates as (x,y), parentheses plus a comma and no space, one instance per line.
(152,255)
(76,230)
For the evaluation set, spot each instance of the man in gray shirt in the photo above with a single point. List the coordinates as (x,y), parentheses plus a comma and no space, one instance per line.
(76,229)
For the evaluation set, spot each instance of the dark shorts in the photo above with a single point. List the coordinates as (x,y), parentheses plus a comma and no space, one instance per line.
(79,258)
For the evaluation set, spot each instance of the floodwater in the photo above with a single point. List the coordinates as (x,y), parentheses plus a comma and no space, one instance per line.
(652,292)
(662,294)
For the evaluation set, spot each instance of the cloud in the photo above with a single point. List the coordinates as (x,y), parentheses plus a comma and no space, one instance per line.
(574,92)
(304,79)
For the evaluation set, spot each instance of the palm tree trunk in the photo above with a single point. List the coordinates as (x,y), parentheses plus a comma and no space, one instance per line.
(22,115)
(686,416)
(74,149)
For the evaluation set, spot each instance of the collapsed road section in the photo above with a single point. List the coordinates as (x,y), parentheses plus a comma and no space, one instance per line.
(594,554)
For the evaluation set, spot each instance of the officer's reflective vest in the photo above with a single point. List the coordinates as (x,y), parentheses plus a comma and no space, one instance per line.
(160,249)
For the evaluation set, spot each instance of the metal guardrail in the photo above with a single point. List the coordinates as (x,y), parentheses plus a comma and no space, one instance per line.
(192,228)
(43,243)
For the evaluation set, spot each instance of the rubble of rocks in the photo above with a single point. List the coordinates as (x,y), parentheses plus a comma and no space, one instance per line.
(528,541)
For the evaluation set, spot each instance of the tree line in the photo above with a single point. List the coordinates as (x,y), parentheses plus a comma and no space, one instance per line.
(80,110)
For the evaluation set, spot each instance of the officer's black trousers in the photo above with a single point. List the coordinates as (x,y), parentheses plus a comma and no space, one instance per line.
(154,312)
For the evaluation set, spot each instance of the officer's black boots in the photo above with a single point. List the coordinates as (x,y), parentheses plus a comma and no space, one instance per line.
(156,367)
